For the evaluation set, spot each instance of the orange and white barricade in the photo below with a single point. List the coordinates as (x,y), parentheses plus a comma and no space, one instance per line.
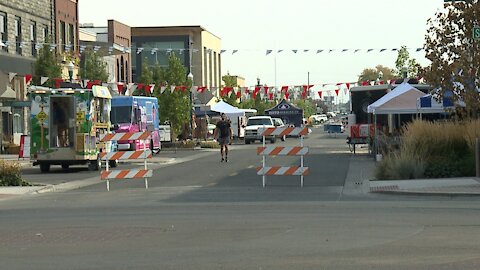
(265,151)
(126,155)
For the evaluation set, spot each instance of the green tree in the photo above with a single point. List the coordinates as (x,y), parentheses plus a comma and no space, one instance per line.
(93,67)
(174,107)
(403,61)
(454,54)
(308,107)
(46,65)
(146,78)
(379,72)
(230,81)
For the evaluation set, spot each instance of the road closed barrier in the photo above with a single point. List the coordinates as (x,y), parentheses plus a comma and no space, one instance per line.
(144,154)
(265,151)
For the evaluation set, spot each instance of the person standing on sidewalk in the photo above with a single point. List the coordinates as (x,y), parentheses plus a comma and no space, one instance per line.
(223,134)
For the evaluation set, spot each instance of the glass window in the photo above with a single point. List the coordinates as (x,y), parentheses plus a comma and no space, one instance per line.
(18,35)
(33,37)
(3,24)
(149,112)
(121,114)
(3,29)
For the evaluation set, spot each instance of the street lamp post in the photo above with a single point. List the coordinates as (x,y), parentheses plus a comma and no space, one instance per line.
(70,68)
(190,78)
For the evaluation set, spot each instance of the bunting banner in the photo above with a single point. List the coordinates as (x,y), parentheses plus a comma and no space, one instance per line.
(336,92)
(11,75)
(57,82)
(43,80)
(162,89)
(120,88)
(287,95)
(28,79)
(320,94)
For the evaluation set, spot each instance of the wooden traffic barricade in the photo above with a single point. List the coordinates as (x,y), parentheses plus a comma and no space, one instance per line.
(265,151)
(126,155)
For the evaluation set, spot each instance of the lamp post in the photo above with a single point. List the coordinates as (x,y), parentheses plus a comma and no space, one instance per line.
(190,79)
(70,68)
(405,72)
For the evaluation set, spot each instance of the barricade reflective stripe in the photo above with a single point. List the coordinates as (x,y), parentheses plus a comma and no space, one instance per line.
(278,170)
(126,174)
(282,151)
(125,136)
(123,155)
(284,131)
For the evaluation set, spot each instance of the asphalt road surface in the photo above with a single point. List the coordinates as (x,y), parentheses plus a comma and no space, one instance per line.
(202,214)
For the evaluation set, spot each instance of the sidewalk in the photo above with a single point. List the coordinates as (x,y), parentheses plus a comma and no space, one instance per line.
(8,192)
(361,171)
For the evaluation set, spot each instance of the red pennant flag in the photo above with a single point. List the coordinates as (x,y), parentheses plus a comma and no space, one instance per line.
(183,88)
(339,84)
(270,96)
(287,95)
(140,86)
(307,87)
(364,83)
(304,95)
(120,88)
(265,89)
(239,94)
(201,89)
(89,85)
(320,94)
(255,93)
(381,82)
(392,81)
(247,91)
(257,89)
(348,86)
(28,78)
(57,82)
(336,91)
(148,89)
(284,89)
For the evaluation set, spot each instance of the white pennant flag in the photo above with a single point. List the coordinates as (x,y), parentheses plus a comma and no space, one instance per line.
(172,88)
(43,80)
(84,85)
(129,90)
(193,89)
(213,89)
(162,89)
(11,75)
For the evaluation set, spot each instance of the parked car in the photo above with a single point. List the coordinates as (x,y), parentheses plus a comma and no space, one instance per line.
(254,123)
(278,122)
(318,119)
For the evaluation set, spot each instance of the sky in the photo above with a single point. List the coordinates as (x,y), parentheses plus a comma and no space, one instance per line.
(254,26)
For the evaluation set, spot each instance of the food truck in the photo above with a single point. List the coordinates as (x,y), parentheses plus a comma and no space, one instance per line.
(136,114)
(66,125)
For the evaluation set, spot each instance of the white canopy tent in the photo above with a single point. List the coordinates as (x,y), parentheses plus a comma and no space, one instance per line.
(229,110)
(401,100)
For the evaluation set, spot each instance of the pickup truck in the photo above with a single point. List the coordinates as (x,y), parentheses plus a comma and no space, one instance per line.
(254,123)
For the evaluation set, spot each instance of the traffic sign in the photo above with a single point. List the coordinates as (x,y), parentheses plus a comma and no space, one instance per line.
(476,32)
(42,116)
(80,116)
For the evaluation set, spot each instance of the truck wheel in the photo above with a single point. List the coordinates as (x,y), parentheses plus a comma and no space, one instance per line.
(247,141)
(113,163)
(273,140)
(65,166)
(284,137)
(44,167)
(94,165)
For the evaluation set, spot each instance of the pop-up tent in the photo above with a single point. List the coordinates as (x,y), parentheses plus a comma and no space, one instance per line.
(401,100)
(229,110)
(290,114)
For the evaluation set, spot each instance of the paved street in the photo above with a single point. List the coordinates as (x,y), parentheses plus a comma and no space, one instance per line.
(202,214)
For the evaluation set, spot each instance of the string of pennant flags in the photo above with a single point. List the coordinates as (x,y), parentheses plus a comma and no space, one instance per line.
(154,50)
(245,92)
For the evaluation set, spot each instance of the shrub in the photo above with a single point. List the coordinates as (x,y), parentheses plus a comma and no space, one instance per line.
(209,145)
(11,174)
(400,165)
